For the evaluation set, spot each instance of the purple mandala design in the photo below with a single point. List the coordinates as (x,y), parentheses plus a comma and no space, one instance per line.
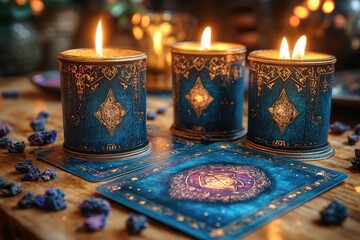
(219,183)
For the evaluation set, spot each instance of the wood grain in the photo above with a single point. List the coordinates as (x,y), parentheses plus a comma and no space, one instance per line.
(301,223)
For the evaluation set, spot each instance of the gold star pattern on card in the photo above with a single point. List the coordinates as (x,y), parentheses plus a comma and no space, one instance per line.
(283,111)
(199,98)
(110,113)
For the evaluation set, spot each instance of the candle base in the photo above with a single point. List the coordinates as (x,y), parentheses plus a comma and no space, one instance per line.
(304,155)
(229,136)
(107,156)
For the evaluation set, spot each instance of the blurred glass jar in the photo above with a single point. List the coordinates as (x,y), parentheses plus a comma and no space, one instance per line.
(156,32)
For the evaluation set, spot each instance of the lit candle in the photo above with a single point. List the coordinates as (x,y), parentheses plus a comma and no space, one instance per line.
(290,101)
(104,101)
(208,89)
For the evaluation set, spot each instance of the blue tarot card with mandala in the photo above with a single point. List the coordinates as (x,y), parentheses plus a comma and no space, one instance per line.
(220,191)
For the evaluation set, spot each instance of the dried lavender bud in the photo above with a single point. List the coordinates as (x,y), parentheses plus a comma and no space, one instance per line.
(40,201)
(161,110)
(3,182)
(42,138)
(10,94)
(38,124)
(52,200)
(27,201)
(5,142)
(357,153)
(205,139)
(356,162)
(95,222)
(150,116)
(48,174)
(353,138)
(339,128)
(24,166)
(5,129)
(135,223)
(334,214)
(43,115)
(17,147)
(33,174)
(11,189)
(94,206)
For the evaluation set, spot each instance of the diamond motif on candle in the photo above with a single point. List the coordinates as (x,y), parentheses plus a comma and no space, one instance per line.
(110,113)
(283,111)
(199,98)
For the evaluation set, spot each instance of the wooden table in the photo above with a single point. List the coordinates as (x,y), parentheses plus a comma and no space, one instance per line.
(301,223)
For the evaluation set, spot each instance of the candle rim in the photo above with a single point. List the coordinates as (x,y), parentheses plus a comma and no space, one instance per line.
(180,47)
(325,58)
(92,56)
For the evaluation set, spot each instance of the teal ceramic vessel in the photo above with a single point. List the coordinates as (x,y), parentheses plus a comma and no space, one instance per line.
(289,104)
(208,91)
(103,103)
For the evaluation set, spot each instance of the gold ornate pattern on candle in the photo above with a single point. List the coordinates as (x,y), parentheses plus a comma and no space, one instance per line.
(222,67)
(89,75)
(199,98)
(268,75)
(303,78)
(110,113)
(283,111)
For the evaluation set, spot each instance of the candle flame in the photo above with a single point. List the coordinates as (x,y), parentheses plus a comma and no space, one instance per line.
(284,49)
(98,42)
(299,49)
(206,39)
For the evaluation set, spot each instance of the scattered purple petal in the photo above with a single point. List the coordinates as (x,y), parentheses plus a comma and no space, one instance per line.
(10,94)
(5,142)
(94,206)
(150,116)
(161,110)
(42,138)
(24,166)
(95,222)
(5,129)
(38,124)
(11,189)
(338,128)
(135,223)
(48,174)
(334,214)
(17,147)
(357,153)
(27,201)
(33,174)
(356,163)
(52,200)
(353,138)
(40,201)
